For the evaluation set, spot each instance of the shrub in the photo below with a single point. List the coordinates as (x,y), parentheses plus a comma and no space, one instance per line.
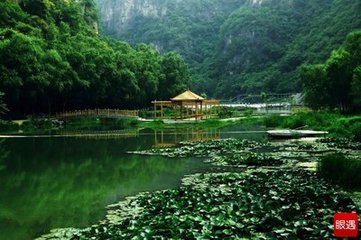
(341,170)
(274,121)
(248,112)
(36,124)
(6,126)
(296,121)
(356,131)
(147,113)
(226,112)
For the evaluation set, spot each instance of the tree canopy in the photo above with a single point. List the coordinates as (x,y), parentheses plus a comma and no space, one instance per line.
(53,59)
(3,108)
(337,82)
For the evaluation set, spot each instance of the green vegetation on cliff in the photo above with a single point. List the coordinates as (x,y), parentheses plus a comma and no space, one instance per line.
(238,46)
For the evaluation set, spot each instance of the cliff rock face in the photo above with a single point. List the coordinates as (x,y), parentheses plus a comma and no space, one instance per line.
(236,46)
(190,27)
(118,15)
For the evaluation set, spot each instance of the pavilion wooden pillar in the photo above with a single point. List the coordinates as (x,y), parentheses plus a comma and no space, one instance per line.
(155,108)
(181,110)
(161,110)
(200,110)
(174,113)
(196,109)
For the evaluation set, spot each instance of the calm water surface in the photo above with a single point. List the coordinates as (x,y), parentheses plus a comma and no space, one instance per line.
(51,183)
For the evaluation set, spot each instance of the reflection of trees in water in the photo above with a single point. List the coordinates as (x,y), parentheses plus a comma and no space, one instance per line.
(60,187)
(170,137)
(3,154)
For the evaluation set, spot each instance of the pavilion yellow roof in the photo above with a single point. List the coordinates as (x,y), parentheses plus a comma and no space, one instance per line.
(187,95)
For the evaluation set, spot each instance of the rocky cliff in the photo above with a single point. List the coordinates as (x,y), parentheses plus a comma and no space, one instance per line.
(116,16)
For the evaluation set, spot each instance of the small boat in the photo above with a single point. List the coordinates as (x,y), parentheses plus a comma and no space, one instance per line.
(291,133)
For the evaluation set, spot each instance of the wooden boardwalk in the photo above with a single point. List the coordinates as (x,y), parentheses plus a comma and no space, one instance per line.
(99,113)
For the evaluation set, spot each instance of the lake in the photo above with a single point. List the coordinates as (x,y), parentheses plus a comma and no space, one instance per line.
(57,182)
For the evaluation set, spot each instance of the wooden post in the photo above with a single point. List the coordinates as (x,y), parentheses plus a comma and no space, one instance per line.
(181,110)
(196,107)
(161,110)
(174,113)
(155,108)
(187,114)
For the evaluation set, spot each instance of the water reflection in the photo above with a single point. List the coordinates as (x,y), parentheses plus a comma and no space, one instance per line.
(170,137)
(113,134)
(51,183)
(3,155)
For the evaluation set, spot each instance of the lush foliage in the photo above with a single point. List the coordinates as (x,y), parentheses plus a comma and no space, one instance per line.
(3,108)
(52,59)
(337,82)
(99,124)
(338,125)
(341,170)
(272,205)
(237,46)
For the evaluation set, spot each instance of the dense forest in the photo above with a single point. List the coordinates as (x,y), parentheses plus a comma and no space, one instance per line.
(52,59)
(237,46)
(337,82)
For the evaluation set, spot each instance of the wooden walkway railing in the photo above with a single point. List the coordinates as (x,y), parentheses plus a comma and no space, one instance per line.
(99,113)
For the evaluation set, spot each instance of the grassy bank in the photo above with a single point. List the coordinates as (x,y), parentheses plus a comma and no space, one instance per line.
(8,127)
(341,170)
(53,126)
(336,124)
(39,126)
(207,123)
(100,124)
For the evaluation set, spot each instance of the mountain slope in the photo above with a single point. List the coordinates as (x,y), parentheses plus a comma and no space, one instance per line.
(236,46)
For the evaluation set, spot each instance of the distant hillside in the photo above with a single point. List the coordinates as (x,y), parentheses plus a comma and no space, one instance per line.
(235,46)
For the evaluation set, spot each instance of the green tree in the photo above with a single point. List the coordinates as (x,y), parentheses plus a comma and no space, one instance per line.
(337,82)
(10,14)
(3,108)
(339,76)
(22,78)
(356,87)
(314,79)
(52,59)
(176,76)
(148,72)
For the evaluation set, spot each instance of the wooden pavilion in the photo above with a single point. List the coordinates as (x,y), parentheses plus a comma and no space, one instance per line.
(188,105)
